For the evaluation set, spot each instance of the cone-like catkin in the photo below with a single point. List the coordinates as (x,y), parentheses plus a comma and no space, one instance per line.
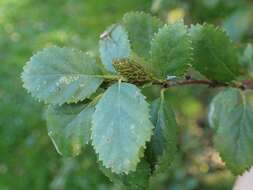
(132,71)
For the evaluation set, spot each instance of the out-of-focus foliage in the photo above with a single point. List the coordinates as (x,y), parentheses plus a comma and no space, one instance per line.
(27,157)
(236,16)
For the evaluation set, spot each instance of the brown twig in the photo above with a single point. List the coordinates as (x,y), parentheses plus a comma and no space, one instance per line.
(212,84)
(243,85)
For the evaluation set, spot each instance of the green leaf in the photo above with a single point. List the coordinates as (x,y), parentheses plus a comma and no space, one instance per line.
(171,50)
(69,127)
(121,127)
(61,75)
(113,44)
(237,24)
(164,140)
(214,54)
(221,106)
(137,180)
(234,134)
(141,28)
(247,56)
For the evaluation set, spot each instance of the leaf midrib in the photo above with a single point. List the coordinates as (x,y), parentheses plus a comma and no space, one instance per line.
(219,60)
(73,74)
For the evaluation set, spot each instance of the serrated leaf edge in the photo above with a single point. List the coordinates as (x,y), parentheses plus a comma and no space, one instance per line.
(39,99)
(140,13)
(190,48)
(142,146)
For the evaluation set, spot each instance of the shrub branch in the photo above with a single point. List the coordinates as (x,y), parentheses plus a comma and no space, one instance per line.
(212,84)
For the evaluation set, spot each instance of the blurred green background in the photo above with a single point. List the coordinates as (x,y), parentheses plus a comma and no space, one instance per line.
(28,159)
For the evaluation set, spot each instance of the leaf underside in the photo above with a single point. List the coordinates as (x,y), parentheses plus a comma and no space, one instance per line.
(164,140)
(114,45)
(61,75)
(121,127)
(234,129)
(69,127)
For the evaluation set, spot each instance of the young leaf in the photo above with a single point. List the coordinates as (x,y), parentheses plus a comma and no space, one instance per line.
(171,50)
(121,127)
(61,75)
(137,180)
(214,54)
(234,139)
(164,140)
(69,127)
(141,28)
(113,44)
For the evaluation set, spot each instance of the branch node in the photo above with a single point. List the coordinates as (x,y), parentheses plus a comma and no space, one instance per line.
(188,77)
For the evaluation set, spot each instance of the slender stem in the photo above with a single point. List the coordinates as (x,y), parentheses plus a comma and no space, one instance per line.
(209,83)
(243,85)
